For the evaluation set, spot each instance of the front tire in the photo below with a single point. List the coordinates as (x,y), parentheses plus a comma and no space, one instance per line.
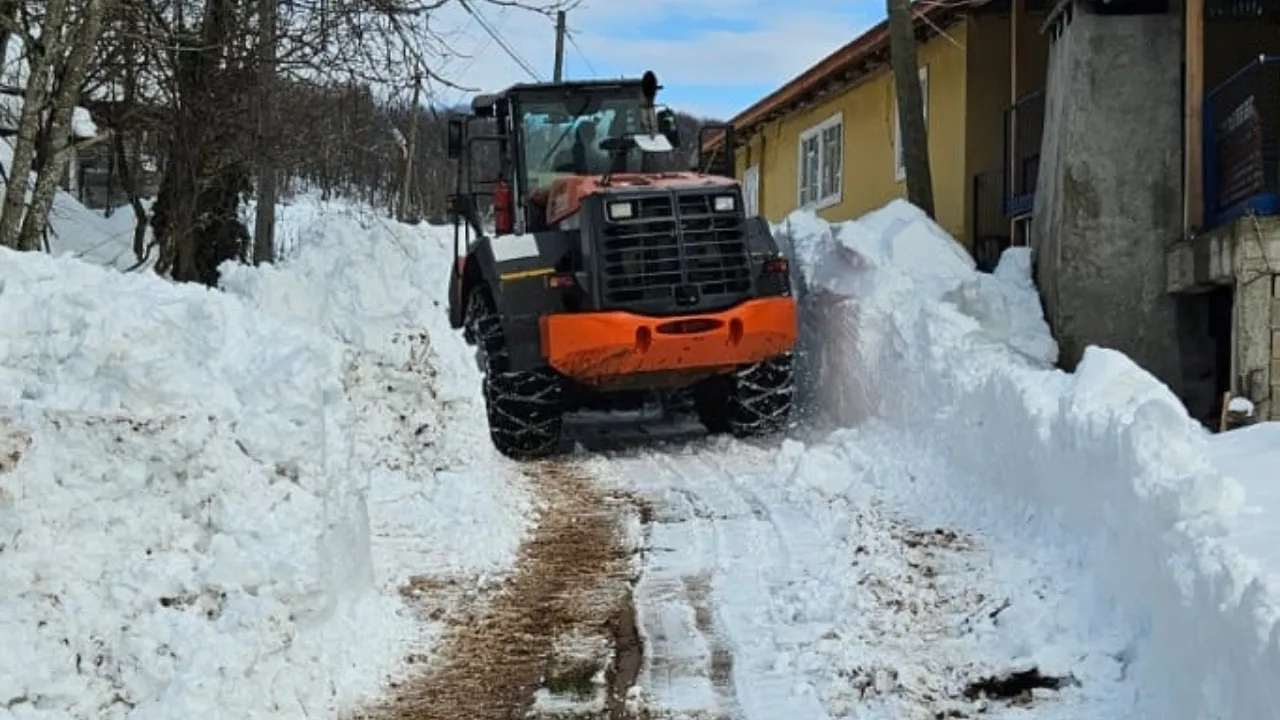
(525,408)
(750,402)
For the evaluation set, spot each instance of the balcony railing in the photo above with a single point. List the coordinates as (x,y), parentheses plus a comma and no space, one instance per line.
(1241,142)
(1023,131)
(990,226)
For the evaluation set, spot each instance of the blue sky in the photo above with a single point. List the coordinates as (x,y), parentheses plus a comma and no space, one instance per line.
(714,57)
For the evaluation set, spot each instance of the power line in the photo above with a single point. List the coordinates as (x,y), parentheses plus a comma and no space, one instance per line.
(573,41)
(482,44)
(497,37)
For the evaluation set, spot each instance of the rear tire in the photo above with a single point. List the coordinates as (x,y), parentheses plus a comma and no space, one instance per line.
(750,402)
(525,407)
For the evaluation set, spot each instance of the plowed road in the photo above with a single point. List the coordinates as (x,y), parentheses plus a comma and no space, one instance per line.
(694,577)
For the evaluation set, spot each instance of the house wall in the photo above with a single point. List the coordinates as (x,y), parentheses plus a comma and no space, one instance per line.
(1033,51)
(987,96)
(868,164)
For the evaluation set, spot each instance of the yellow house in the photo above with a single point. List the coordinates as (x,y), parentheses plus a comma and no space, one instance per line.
(827,139)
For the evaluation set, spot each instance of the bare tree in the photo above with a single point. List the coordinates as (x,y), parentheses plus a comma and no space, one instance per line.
(265,214)
(209,153)
(8,21)
(180,76)
(914,134)
(41,58)
(56,142)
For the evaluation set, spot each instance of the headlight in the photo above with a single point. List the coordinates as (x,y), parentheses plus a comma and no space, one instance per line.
(620,211)
(724,203)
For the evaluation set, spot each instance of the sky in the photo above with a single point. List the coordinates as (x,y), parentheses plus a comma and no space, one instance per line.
(714,58)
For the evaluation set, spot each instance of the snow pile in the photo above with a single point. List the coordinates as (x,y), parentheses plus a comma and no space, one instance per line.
(210,501)
(380,287)
(1105,460)
(1251,455)
(181,522)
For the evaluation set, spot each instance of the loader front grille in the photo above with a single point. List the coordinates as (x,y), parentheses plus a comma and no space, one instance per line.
(675,250)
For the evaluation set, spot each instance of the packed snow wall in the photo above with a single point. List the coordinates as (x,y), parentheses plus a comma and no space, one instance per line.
(178,501)
(900,328)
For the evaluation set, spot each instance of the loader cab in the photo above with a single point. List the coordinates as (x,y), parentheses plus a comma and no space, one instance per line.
(546,132)
(566,134)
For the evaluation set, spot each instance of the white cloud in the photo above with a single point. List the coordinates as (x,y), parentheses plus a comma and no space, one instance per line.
(771,55)
(740,44)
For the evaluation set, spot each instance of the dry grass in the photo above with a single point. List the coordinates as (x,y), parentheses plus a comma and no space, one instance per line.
(571,576)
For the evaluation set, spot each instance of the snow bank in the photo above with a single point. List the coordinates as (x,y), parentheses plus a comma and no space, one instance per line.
(374,284)
(371,282)
(900,327)
(181,524)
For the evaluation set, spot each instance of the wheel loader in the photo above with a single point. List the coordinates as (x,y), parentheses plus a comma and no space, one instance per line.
(590,270)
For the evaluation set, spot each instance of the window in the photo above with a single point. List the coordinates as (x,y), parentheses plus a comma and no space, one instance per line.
(751,191)
(899,171)
(821,161)
(561,135)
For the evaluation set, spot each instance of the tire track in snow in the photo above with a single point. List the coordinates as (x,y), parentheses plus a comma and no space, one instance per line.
(791,590)
(683,611)
(713,596)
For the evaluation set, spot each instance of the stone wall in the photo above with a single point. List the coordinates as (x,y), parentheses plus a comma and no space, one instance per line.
(1243,256)
(1273,409)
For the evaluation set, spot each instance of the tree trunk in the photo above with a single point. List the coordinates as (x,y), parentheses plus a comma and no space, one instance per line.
(71,78)
(33,104)
(8,17)
(130,183)
(402,214)
(194,217)
(912,129)
(265,215)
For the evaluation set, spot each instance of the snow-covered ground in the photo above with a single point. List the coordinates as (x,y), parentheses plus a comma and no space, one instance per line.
(210,502)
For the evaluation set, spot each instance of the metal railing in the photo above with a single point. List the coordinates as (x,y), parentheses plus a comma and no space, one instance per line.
(1241,143)
(1023,131)
(990,225)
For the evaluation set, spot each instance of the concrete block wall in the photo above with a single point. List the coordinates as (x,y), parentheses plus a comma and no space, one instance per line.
(1244,256)
(1108,203)
(1256,244)
(1274,396)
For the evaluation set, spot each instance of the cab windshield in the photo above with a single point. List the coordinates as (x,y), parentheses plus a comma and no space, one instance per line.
(562,138)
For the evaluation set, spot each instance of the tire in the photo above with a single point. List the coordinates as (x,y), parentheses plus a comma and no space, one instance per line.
(750,402)
(679,404)
(525,407)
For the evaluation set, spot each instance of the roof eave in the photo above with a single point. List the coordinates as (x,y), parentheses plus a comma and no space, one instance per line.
(824,71)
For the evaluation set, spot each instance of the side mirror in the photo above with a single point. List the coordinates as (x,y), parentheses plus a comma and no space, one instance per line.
(668,126)
(455,138)
(649,87)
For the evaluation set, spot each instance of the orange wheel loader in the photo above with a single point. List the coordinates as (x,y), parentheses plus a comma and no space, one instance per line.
(601,271)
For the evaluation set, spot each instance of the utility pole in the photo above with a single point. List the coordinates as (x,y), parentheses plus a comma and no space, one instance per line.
(913,135)
(407,181)
(560,32)
(265,217)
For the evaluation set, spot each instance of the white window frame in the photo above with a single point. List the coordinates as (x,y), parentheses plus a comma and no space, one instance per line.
(837,193)
(751,190)
(899,169)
